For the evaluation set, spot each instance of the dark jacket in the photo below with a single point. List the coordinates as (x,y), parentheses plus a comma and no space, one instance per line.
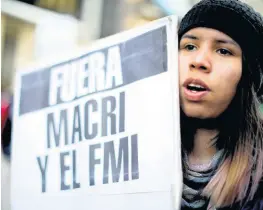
(255,204)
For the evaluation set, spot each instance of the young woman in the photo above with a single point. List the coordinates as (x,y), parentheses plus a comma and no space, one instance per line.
(221,67)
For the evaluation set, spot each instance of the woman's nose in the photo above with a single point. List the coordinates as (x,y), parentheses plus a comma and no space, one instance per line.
(201,61)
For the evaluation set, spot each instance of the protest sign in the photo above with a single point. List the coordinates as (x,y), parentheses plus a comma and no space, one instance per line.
(100,130)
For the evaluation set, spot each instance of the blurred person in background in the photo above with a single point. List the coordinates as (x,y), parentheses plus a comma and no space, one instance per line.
(6,118)
(221,67)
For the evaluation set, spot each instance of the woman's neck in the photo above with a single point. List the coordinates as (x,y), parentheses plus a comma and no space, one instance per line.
(203,146)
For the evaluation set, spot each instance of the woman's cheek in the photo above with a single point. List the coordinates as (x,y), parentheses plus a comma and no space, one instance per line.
(182,69)
(227,86)
(232,72)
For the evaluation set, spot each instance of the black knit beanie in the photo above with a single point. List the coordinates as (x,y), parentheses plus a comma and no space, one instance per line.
(239,21)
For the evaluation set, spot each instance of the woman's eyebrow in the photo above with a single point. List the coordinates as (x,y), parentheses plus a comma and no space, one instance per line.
(226,41)
(223,41)
(188,36)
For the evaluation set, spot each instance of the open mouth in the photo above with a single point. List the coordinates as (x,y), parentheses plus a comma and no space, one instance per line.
(196,88)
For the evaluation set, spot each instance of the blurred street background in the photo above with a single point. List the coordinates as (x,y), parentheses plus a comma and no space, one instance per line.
(35,29)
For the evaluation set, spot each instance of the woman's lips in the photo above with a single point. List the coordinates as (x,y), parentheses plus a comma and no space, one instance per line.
(196,82)
(194,95)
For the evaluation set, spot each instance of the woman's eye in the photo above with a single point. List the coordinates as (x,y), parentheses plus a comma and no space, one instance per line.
(190,47)
(224,52)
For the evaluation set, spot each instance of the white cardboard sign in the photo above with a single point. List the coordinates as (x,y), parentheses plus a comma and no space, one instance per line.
(100,130)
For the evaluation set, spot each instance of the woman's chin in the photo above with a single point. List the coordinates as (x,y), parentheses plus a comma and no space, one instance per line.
(199,114)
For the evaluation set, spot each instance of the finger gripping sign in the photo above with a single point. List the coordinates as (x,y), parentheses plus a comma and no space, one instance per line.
(100,130)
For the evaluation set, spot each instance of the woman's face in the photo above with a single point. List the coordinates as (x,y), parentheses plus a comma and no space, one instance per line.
(210,68)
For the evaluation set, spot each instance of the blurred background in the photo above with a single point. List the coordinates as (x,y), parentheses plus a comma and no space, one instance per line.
(34,29)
